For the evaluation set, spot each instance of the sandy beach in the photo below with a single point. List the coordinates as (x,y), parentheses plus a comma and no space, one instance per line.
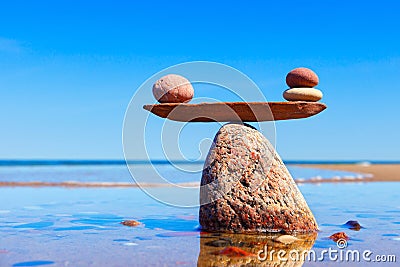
(380,172)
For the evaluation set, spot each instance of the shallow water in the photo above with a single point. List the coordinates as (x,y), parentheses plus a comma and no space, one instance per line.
(120,173)
(81,226)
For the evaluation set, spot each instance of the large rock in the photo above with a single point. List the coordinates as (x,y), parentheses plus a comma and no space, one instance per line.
(247,188)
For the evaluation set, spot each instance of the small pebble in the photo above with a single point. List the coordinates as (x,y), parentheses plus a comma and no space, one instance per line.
(286,239)
(340,235)
(301,77)
(302,94)
(353,225)
(173,88)
(130,223)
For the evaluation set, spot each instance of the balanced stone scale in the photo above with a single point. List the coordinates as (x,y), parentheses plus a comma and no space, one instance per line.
(259,193)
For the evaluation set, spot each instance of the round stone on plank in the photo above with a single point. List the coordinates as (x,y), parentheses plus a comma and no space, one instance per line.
(173,88)
(301,77)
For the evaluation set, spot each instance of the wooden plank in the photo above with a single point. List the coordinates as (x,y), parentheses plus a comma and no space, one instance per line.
(236,111)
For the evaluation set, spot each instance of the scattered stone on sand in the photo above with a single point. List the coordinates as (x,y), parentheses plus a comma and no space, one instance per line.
(340,235)
(234,252)
(247,188)
(286,239)
(301,77)
(131,223)
(173,88)
(353,225)
(303,94)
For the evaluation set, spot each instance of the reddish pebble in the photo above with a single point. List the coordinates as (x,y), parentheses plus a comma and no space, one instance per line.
(340,235)
(130,223)
(353,225)
(173,88)
(301,77)
(234,252)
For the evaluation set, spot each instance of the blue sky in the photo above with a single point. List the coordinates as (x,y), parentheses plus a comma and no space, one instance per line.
(69,68)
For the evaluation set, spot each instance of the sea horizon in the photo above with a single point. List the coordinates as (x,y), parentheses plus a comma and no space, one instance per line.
(55,162)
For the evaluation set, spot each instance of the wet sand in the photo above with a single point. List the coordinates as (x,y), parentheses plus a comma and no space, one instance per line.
(380,172)
(82,227)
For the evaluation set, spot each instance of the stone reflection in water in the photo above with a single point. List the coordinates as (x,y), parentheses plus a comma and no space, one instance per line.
(254,250)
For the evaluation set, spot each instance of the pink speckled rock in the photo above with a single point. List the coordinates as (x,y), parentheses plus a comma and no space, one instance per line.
(258,192)
(301,77)
(173,88)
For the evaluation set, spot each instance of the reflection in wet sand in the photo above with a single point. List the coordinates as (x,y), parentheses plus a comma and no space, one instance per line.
(261,250)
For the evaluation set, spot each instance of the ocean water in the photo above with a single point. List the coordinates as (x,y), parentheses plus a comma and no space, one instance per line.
(119,173)
(58,226)
(81,227)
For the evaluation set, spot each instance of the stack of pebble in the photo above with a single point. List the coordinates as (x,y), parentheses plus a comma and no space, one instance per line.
(301,82)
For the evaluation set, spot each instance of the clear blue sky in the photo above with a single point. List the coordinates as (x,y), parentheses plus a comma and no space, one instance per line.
(69,68)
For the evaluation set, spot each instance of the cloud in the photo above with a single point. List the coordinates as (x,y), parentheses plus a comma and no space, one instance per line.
(10,46)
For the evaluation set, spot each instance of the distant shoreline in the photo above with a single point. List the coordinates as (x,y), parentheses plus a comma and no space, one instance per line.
(367,173)
(380,172)
(6,162)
